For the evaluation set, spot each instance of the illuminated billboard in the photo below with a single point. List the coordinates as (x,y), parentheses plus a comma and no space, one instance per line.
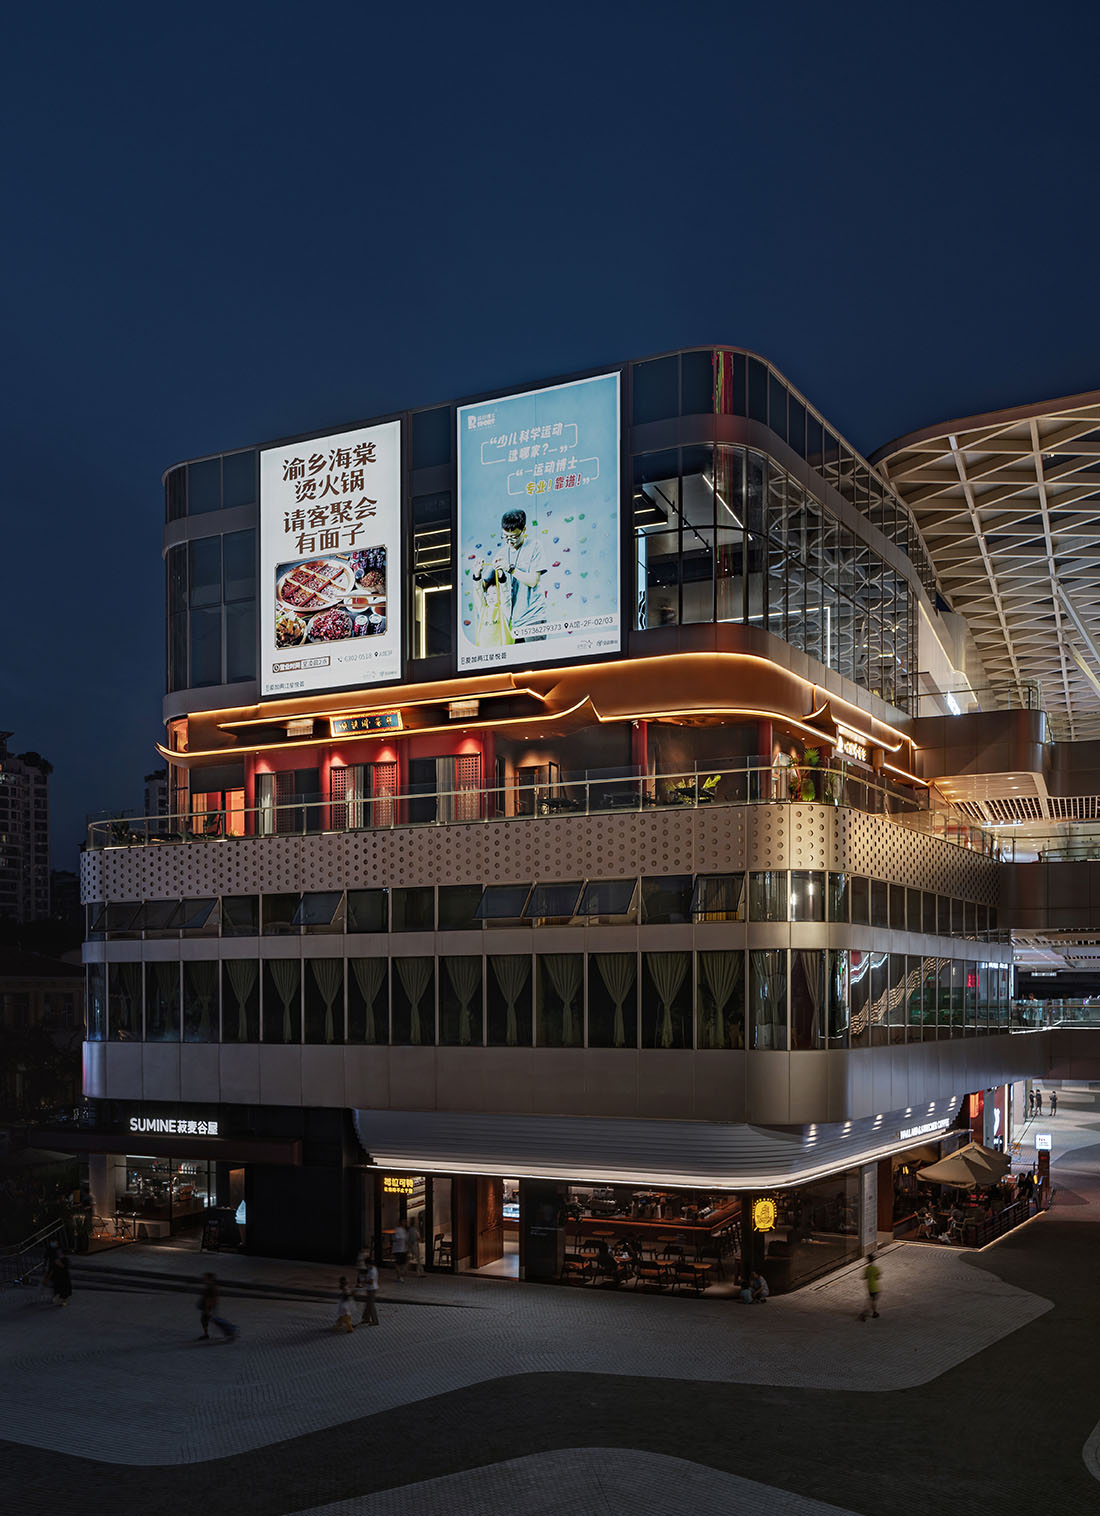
(538,526)
(330,561)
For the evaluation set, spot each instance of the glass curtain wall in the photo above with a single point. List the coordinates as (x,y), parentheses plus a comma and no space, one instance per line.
(725,534)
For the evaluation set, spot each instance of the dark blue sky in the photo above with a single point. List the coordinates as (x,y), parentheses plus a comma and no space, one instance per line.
(223,224)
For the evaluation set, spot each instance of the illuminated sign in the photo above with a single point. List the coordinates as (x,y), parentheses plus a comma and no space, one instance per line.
(330,561)
(1042,1142)
(398,1184)
(175,1127)
(923,1129)
(848,747)
(763,1215)
(381,721)
(538,525)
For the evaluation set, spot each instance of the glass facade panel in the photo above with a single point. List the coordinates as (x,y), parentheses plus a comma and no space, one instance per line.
(460,1011)
(280,915)
(720,999)
(240,915)
(369,910)
(656,387)
(282,994)
(768,998)
(124,1001)
(239,479)
(666,898)
(836,1035)
(368,1000)
(560,1022)
(807,895)
(458,905)
(95,1003)
(508,986)
(718,897)
(666,1000)
(412,910)
(205,662)
(809,998)
(200,1000)
(241,999)
(768,896)
(162,1002)
(412,986)
(612,1000)
(859,998)
(324,999)
(838,897)
(657,544)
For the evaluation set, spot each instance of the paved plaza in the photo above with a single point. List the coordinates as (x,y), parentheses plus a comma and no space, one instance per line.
(976,1385)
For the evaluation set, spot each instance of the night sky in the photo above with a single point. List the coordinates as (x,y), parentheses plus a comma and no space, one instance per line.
(227,223)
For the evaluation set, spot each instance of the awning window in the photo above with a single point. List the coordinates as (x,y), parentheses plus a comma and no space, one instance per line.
(503,902)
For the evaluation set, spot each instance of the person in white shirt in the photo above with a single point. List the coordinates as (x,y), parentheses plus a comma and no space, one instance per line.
(400,1250)
(509,583)
(369,1280)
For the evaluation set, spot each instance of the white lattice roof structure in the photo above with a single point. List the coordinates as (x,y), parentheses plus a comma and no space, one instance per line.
(1009,507)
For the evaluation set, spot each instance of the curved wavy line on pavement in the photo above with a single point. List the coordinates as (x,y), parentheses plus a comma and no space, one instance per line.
(600,1481)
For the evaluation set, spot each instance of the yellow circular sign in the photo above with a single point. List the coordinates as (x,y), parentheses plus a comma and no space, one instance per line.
(763,1215)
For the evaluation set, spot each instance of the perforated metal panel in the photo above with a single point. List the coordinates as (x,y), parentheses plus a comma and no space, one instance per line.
(706,841)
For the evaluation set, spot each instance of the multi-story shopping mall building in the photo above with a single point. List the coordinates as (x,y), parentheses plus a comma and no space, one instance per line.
(586,803)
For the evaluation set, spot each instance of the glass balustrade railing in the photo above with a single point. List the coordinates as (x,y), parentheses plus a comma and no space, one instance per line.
(721,786)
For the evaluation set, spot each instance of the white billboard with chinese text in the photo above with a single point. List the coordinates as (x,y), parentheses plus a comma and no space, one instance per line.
(330,561)
(538,526)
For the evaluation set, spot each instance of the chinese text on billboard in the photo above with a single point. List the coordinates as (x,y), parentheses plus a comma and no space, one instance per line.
(330,561)
(538,525)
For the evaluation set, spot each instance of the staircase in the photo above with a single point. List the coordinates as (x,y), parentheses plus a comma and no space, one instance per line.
(23,1263)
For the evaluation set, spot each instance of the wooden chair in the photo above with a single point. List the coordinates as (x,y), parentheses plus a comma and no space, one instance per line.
(444,1251)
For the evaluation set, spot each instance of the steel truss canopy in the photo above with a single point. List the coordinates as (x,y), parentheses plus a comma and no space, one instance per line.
(1009,507)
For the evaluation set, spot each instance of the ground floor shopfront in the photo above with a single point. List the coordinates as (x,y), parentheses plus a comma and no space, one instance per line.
(550,1231)
(327,1185)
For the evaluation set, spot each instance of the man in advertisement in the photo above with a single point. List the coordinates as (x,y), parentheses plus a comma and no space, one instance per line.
(508,584)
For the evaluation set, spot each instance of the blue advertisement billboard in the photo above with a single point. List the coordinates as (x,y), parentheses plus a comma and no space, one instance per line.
(538,526)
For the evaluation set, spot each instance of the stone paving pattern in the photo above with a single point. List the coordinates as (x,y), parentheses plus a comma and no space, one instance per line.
(977,1384)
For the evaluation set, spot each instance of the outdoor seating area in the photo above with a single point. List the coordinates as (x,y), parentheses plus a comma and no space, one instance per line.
(970,1197)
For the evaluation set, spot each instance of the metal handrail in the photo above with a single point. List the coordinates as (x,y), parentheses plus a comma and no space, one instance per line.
(21,1261)
(721,786)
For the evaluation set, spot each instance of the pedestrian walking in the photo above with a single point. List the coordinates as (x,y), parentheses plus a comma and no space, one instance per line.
(370,1296)
(872,1277)
(208,1305)
(61,1280)
(1054,1102)
(344,1322)
(400,1249)
(412,1241)
(1030,1104)
(1038,1102)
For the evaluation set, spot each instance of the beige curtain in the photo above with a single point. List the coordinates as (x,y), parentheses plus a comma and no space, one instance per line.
(565,971)
(370,974)
(722,973)
(465,977)
(200,980)
(286,977)
(668,971)
(328,975)
(512,973)
(243,973)
(619,972)
(415,975)
(769,997)
(124,984)
(811,963)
